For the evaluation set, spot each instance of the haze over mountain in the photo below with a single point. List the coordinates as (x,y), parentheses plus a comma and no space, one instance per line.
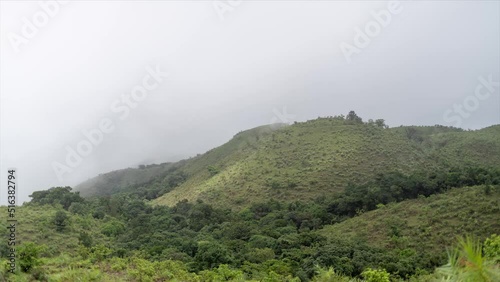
(227,75)
(260,141)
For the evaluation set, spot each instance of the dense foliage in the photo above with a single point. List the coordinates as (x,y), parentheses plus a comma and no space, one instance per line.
(396,187)
(267,239)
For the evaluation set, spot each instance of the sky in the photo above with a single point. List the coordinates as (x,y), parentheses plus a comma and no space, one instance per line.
(88,87)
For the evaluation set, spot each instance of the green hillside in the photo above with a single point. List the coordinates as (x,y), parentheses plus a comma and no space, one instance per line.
(151,181)
(322,156)
(123,180)
(331,199)
(36,225)
(303,161)
(424,227)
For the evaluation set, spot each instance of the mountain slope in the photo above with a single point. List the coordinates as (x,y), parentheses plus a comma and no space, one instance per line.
(425,225)
(308,160)
(130,179)
(320,157)
(123,180)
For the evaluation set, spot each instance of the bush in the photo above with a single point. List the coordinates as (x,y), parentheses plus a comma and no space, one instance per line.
(39,274)
(113,228)
(29,255)
(143,270)
(99,253)
(60,220)
(328,275)
(78,208)
(213,170)
(222,273)
(85,239)
(375,275)
(491,248)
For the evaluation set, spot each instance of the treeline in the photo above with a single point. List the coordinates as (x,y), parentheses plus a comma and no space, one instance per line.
(397,187)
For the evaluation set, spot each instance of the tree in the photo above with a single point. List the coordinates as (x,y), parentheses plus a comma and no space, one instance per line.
(211,254)
(380,123)
(99,213)
(57,195)
(60,220)
(352,117)
(113,228)
(260,255)
(78,208)
(413,134)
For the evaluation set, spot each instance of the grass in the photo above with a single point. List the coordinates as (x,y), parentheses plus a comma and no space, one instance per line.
(35,224)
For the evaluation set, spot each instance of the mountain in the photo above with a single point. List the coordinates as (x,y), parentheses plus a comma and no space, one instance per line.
(302,161)
(331,199)
(122,180)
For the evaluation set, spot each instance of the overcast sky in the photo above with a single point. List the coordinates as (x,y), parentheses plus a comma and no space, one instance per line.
(65,68)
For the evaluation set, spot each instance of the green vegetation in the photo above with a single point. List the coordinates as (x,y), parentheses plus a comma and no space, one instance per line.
(375,275)
(302,161)
(467,263)
(334,199)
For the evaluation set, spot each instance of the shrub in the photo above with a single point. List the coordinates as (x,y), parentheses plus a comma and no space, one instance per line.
(113,228)
(39,274)
(60,220)
(29,255)
(467,263)
(222,273)
(78,208)
(213,170)
(492,248)
(328,275)
(85,239)
(99,253)
(375,275)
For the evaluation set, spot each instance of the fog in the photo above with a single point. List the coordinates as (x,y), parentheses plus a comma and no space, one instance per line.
(202,71)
